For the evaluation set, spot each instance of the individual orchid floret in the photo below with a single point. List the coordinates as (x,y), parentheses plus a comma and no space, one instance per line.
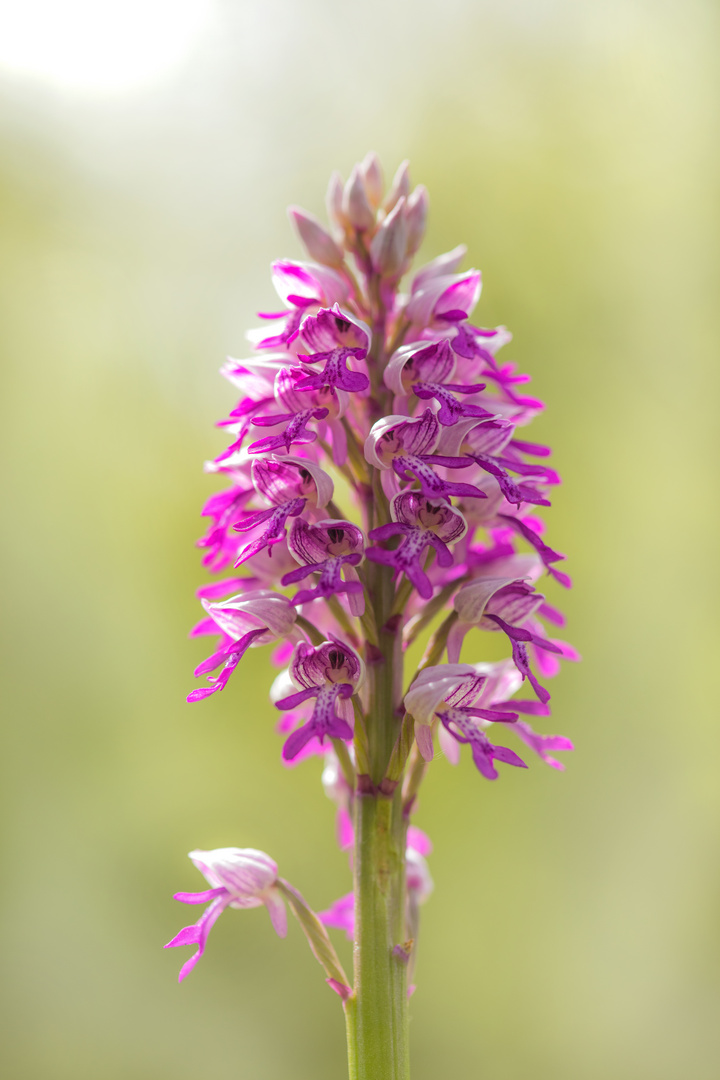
(407,445)
(422,523)
(288,484)
(300,408)
(330,673)
(420,362)
(448,692)
(255,378)
(301,286)
(424,370)
(334,336)
(483,442)
(500,604)
(440,302)
(247,620)
(238,878)
(336,328)
(459,695)
(296,432)
(224,507)
(331,548)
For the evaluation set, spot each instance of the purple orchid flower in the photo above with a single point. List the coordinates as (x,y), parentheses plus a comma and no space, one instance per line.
(330,673)
(483,442)
(329,548)
(336,337)
(289,484)
(245,621)
(327,402)
(501,604)
(224,508)
(452,692)
(423,523)
(407,445)
(256,379)
(301,286)
(239,878)
(444,300)
(425,370)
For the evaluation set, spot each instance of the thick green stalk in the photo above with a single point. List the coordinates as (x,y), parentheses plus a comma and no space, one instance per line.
(379,1036)
(378,1039)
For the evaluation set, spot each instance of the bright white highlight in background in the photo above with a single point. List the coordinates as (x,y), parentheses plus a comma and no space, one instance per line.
(99,44)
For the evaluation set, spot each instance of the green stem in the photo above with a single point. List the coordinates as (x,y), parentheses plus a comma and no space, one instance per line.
(378,1037)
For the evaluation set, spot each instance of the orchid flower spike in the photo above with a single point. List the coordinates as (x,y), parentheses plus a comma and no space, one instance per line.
(379,489)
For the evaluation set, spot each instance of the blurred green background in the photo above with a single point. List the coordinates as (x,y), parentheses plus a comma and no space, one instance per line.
(573,932)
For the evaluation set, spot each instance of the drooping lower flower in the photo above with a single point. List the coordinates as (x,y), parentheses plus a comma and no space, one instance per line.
(239,878)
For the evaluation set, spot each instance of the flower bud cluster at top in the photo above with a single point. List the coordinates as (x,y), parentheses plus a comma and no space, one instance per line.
(400,394)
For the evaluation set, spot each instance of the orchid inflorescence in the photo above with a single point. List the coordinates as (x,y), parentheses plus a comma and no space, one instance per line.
(400,404)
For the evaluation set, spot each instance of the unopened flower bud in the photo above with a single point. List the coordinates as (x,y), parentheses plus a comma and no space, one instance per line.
(318,241)
(372,172)
(400,187)
(333,201)
(355,205)
(389,244)
(416,209)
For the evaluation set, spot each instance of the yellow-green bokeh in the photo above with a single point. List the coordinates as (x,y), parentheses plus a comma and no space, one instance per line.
(573,932)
